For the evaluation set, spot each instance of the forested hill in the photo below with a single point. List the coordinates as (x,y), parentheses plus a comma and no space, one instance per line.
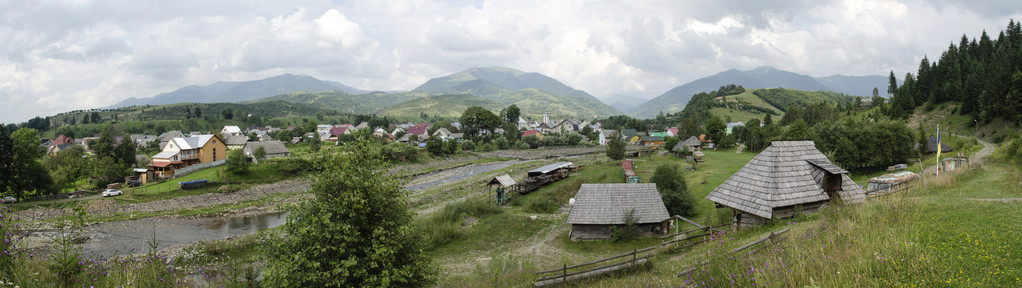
(984,75)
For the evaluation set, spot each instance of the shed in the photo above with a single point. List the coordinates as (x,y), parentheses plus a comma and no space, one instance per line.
(548,169)
(505,187)
(598,207)
(787,178)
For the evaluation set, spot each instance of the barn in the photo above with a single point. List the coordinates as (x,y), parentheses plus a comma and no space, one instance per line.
(787,178)
(598,207)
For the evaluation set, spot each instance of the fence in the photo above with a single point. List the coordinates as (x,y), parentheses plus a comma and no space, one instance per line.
(197,167)
(736,250)
(564,275)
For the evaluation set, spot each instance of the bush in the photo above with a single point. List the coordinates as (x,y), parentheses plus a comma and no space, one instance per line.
(468,145)
(523,146)
(628,231)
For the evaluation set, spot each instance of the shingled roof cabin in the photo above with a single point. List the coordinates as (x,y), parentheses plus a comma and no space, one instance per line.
(598,207)
(788,177)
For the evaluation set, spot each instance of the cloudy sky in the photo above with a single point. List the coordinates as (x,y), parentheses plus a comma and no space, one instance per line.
(58,56)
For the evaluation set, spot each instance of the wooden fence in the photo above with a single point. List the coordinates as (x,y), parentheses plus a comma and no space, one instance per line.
(561,275)
(736,250)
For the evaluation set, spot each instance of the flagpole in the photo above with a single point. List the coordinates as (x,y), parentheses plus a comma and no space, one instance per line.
(938,150)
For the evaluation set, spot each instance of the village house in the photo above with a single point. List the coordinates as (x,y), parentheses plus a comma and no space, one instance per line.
(786,179)
(598,207)
(604,136)
(673,131)
(273,149)
(187,151)
(731,127)
(229,131)
(335,133)
(535,133)
(443,133)
(652,141)
(235,141)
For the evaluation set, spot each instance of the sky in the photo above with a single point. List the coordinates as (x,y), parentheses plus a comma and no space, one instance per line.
(58,56)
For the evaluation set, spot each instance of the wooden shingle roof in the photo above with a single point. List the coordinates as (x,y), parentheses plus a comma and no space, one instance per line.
(504,180)
(607,204)
(786,173)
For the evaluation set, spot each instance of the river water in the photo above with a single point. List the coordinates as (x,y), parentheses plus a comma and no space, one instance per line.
(122,238)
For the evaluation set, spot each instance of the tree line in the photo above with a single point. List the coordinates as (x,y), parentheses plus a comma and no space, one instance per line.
(983,75)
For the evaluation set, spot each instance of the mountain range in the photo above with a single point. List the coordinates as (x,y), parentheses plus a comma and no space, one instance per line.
(763,77)
(240,91)
(533,93)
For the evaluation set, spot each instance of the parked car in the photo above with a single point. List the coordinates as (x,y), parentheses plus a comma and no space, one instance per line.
(134,183)
(10,199)
(111,192)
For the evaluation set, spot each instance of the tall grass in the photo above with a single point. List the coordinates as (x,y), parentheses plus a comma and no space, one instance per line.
(900,240)
(448,224)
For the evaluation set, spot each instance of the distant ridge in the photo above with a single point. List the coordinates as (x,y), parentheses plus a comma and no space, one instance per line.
(240,91)
(674,100)
(534,93)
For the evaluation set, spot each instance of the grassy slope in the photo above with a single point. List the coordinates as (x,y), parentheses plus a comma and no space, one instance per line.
(936,236)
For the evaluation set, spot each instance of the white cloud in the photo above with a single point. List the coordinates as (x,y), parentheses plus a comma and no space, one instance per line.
(67,55)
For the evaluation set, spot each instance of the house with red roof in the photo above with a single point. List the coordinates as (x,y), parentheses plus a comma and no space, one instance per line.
(533,133)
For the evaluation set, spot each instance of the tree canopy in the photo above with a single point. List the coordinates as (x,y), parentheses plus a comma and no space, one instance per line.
(354,233)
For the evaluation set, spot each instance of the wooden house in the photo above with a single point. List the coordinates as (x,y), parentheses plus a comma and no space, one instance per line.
(187,151)
(598,207)
(931,146)
(788,177)
(235,141)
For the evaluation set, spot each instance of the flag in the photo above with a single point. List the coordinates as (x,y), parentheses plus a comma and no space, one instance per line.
(938,143)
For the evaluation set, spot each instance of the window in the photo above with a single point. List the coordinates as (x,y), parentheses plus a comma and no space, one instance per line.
(214,154)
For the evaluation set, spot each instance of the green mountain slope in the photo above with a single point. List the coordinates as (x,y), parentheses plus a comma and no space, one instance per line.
(450,106)
(367,103)
(534,93)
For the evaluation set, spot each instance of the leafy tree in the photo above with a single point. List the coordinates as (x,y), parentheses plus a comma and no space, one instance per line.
(198,112)
(512,114)
(7,167)
(227,114)
(104,146)
(616,146)
(252,137)
(237,162)
(314,143)
(475,119)
(259,153)
(355,232)
(671,141)
(435,146)
(797,131)
(106,170)
(29,174)
(532,141)
(68,166)
(96,118)
(671,183)
(715,128)
(767,121)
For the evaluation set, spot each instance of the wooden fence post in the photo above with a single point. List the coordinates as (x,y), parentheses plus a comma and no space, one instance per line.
(564,273)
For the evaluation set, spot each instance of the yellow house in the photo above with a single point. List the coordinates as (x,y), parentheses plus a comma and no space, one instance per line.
(185,151)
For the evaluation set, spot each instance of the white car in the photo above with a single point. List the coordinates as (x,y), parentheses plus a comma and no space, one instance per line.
(111,192)
(10,199)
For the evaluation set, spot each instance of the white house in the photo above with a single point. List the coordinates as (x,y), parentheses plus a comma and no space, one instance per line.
(230,131)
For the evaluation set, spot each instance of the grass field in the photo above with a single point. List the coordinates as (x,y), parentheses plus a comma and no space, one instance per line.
(948,235)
